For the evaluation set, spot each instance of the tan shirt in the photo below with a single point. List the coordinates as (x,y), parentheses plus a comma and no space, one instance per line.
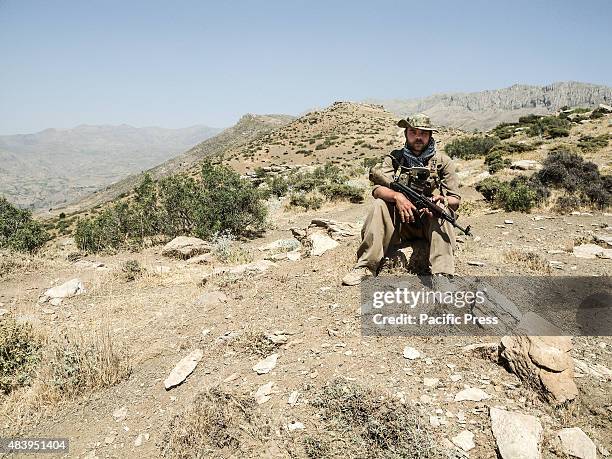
(382,174)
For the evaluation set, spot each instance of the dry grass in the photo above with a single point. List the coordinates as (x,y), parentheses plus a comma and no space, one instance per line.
(65,367)
(255,343)
(529,260)
(360,422)
(217,424)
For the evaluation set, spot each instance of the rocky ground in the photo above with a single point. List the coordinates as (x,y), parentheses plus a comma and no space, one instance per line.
(169,311)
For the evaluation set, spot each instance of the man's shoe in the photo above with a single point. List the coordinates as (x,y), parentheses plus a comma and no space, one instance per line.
(356,275)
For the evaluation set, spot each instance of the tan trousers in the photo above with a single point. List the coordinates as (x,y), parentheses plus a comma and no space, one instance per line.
(379,232)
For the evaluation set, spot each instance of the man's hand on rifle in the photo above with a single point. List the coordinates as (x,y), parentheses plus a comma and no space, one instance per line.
(406,209)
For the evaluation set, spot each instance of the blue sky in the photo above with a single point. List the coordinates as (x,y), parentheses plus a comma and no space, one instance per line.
(175,64)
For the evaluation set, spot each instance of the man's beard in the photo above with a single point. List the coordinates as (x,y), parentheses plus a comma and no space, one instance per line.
(417,147)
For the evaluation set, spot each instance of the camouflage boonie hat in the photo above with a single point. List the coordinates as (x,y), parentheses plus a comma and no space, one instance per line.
(418,121)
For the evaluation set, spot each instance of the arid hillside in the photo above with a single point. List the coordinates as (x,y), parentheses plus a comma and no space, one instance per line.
(247,345)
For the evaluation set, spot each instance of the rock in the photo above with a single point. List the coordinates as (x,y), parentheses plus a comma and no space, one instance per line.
(257,266)
(278,337)
(591,251)
(263,393)
(3,311)
(231,377)
(577,444)
(266,365)
(138,440)
(476,263)
(464,440)
(593,369)
(542,358)
(336,229)
(455,378)
(185,247)
(282,245)
(603,238)
(212,298)
(55,301)
(120,413)
(472,394)
(526,165)
(320,243)
(434,421)
(88,264)
(48,310)
(430,382)
(517,435)
(68,289)
(295,425)
(293,398)
(294,256)
(509,222)
(411,353)
(203,259)
(183,369)
(606,108)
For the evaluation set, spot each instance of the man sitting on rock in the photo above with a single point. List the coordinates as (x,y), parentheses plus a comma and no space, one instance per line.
(393,218)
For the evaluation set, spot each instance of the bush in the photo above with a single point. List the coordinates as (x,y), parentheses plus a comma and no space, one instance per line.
(504,130)
(471,147)
(306,201)
(17,229)
(278,185)
(496,161)
(489,188)
(342,191)
(568,171)
(546,126)
(521,194)
(178,205)
(131,270)
(19,354)
(589,143)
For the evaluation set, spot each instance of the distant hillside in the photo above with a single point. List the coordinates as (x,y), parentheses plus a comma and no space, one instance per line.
(56,166)
(485,109)
(248,127)
(343,132)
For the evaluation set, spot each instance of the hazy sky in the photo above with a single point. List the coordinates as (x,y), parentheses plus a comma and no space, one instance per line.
(179,63)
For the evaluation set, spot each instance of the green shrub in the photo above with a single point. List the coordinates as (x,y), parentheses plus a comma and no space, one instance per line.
(368,163)
(546,126)
(17,229)
(568,171)
(504,130)
(496,161)
(177,205)
(489,188)
(306,201)
(589,143)
(471,147)
(598,113)
(278,185)
(19,354)
(131,270)
(518,195)
(342,191)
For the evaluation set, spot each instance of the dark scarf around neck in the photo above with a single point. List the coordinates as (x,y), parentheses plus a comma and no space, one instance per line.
(412,160)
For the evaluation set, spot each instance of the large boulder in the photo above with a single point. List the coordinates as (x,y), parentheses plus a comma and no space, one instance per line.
(541,360)
(185,247)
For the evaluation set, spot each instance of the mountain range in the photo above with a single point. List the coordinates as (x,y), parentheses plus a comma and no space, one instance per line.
(57,166)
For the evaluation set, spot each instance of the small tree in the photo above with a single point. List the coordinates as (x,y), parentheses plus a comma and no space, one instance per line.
(17,229)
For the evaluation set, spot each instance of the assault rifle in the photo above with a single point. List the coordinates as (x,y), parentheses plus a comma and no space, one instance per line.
(423,202)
